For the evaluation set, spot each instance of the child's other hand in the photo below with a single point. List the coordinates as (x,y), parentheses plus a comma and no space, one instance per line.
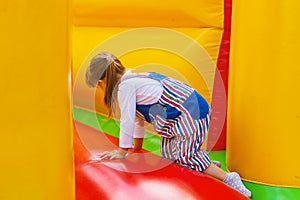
(112,155)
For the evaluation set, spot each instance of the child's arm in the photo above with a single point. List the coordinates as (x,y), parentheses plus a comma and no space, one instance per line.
(138,143)
(121,153)
(139,131)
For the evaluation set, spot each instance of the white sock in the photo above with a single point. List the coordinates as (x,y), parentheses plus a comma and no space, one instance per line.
(233,179)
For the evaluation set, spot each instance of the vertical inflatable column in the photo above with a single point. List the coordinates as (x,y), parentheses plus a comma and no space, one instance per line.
(264,108)
(36,135)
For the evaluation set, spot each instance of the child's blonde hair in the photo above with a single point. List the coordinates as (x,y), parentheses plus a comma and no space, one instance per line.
(105,65)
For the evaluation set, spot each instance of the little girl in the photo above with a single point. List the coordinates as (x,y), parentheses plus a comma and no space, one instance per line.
(179,114)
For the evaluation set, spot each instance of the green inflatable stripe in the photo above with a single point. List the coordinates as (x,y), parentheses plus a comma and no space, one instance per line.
(265,192)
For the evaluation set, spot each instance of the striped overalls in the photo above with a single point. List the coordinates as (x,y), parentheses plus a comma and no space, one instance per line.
(181,117)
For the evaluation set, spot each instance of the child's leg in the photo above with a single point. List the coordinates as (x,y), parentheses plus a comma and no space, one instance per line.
(217,163)
(215,171)
(199,161)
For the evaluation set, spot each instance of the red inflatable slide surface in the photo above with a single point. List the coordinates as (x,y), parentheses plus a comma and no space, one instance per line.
(142,175)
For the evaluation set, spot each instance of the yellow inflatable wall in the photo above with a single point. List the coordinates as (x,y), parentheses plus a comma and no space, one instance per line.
(183,41)
(264,110)
(36,136)
(136,13)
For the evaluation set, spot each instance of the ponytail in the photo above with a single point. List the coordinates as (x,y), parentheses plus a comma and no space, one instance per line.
(113,74)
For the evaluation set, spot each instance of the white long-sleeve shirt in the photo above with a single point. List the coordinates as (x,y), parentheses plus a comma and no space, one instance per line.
(132,91)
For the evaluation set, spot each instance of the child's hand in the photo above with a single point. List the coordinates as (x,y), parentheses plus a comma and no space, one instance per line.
(112,155)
